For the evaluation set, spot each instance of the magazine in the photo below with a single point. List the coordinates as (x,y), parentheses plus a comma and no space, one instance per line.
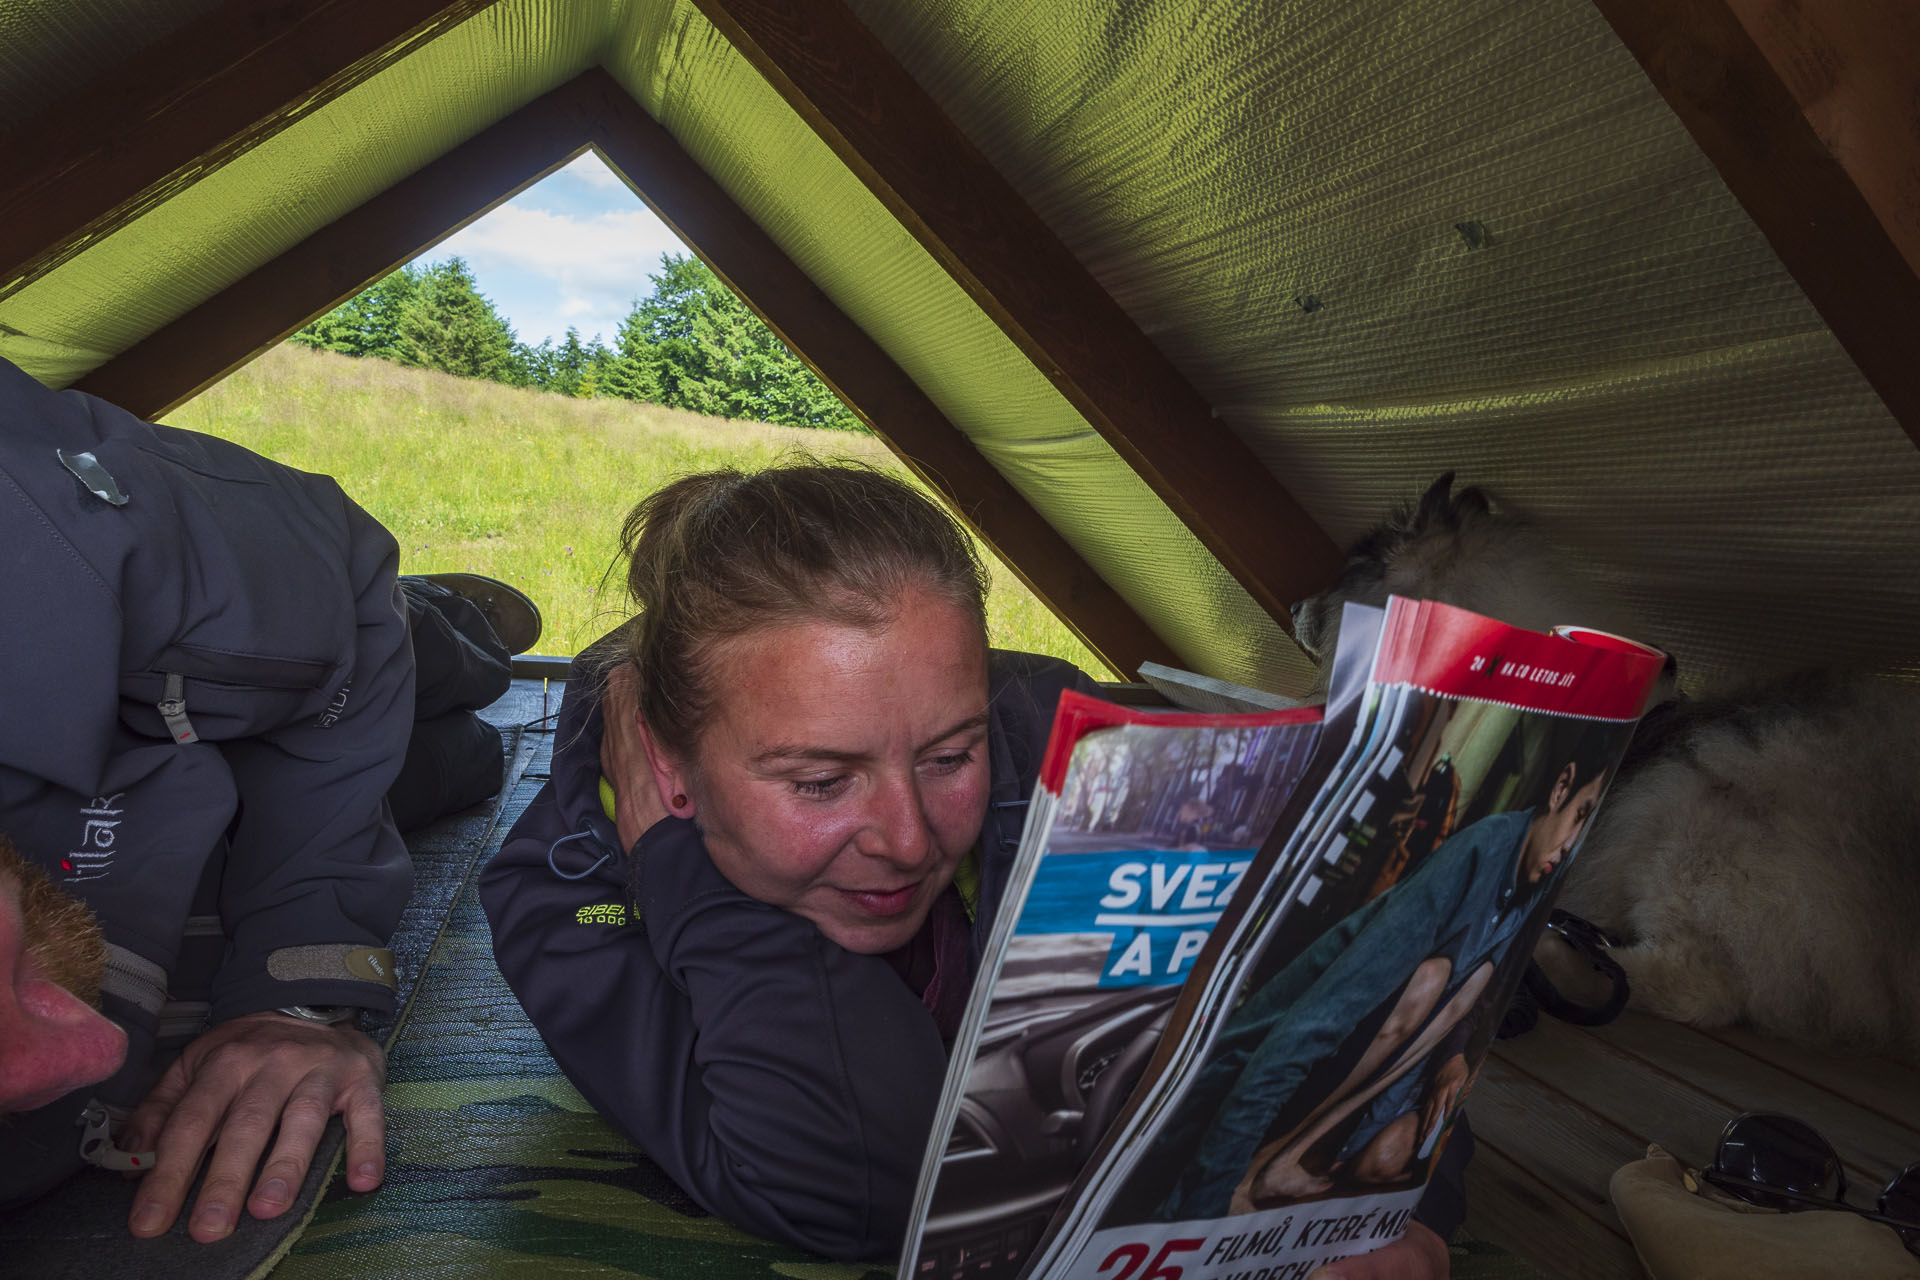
(1185,1059)
(1142,830)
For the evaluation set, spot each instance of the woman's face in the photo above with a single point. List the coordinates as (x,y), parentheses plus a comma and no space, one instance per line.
(844,773)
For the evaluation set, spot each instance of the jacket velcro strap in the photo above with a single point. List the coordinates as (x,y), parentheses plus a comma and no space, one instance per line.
(333,962)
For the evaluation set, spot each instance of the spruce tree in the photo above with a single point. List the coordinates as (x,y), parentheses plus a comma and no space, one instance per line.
(691,344)
(367,324)
(449,326)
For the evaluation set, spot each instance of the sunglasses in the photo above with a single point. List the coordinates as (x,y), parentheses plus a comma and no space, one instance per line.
(1779,1162)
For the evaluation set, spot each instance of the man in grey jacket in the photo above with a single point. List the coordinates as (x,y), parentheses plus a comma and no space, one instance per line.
(208,690)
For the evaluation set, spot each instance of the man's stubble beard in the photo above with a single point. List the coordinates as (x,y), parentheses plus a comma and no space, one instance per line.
(61,932)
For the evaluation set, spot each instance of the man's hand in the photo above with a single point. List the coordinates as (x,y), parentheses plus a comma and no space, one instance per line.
(623,758)
(1417,1255)
(233,1086)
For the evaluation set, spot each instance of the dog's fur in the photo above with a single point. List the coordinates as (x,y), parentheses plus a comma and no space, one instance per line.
(1757,851)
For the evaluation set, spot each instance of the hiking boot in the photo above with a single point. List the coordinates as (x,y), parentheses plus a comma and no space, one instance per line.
(513,617)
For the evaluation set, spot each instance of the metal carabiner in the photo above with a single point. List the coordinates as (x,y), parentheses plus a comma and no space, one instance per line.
(96,1142)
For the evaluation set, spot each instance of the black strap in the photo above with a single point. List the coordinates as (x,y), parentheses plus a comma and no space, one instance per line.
(1592,943)
(1538,995)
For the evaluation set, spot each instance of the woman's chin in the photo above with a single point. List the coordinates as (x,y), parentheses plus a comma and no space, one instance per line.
(869,933)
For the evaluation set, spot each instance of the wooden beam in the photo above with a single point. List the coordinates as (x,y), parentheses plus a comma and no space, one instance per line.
(1854,68)
(676,188)
(878,120)
(185,106)
(177,362)
(1719,82)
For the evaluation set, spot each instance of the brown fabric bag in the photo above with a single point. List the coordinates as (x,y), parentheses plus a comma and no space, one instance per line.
(1683,1229)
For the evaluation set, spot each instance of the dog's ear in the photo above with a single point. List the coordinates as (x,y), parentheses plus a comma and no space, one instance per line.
(1441,507)
(1471,503)
(1435,505)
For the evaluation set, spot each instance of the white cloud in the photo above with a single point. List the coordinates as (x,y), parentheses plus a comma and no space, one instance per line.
(593,171)
(546,269)
(613,245)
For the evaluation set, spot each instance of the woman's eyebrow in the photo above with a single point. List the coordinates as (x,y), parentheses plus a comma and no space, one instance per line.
(969,725)
(796,751)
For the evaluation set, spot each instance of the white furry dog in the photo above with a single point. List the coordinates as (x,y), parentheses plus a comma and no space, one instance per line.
(1451,547)
(1759,852)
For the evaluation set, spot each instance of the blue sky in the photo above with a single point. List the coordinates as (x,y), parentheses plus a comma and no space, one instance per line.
(574,249)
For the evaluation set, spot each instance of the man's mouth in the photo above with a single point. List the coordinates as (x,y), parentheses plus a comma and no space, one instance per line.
(889,902)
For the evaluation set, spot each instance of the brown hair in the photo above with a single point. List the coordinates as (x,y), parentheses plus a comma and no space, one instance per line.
(722,553)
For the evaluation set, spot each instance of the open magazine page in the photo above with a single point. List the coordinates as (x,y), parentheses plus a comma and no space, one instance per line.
(1300,1122)
(1351,734)
(1143,827)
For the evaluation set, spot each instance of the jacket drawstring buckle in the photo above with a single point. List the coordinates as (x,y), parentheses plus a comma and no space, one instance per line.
(574,875)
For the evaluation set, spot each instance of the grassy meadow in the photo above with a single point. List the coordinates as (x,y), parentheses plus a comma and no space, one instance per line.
(523,485)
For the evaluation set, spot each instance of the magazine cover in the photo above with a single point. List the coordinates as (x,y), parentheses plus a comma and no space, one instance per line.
(1141,832)
(1328,1036)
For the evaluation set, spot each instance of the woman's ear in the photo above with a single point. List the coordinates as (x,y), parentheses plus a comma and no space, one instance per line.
(669,775)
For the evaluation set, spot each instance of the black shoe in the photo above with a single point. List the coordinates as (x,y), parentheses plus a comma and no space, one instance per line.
(513,617)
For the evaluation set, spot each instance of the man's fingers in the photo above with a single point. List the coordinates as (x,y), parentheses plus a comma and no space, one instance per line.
(142,1130)
(185,1131)
(244,1132)
(302,1122)
(366,1139)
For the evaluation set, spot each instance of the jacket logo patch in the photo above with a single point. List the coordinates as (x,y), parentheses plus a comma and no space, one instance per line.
(602,913)
(335,709)
(94,858)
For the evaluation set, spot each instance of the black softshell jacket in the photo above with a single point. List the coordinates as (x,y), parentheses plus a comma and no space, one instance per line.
(130,553)
(787,1084)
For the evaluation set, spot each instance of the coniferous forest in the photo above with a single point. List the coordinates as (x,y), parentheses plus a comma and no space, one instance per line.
(689,344)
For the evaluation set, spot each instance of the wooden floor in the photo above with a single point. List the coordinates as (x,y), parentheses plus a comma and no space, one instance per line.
(1557,1110)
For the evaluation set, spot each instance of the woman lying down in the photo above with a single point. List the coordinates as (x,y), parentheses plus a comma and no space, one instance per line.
(745,910)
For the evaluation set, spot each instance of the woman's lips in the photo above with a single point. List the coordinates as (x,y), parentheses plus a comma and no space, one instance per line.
(890,903)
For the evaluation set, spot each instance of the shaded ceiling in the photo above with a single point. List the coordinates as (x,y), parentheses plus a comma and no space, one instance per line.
(1207,287)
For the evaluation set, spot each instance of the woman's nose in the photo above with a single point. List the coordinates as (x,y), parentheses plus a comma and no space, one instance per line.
(897,828)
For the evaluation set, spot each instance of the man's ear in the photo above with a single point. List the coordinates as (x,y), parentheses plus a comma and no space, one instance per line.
(669,775)
(1556,799)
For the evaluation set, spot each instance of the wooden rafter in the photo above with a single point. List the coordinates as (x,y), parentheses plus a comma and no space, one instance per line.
(178,361)
(878,120)
(226,331)
(185,106)
(1801,197)
(676,188)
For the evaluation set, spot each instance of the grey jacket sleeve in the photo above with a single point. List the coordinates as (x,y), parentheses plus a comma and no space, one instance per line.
(786,1083)
(317,876)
